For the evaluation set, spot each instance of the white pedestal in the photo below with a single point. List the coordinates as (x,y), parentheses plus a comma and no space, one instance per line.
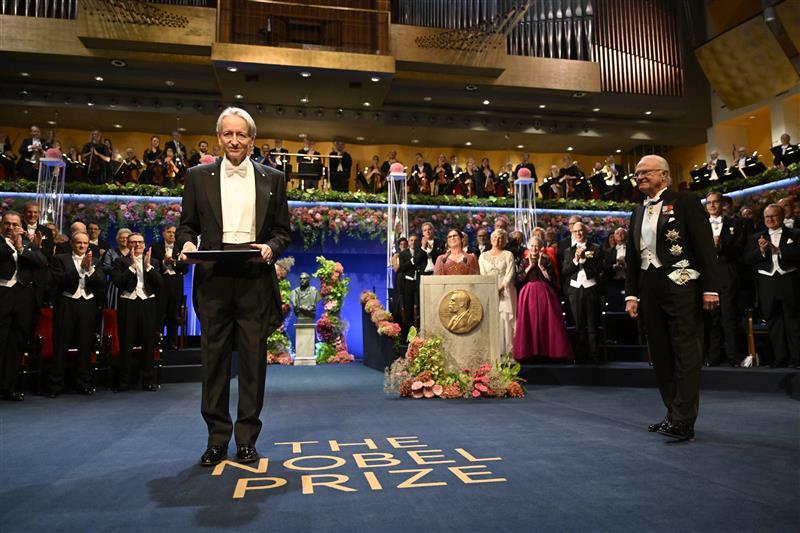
(305,338)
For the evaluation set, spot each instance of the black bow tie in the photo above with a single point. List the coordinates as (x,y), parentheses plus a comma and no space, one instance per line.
(654,201)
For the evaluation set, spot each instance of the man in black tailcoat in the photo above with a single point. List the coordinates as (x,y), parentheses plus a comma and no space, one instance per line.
(721,323)
(171,294)
(80,287)
(775,254)
(580,276)
(20,258)
(412,261)
(235,203)
(672,269)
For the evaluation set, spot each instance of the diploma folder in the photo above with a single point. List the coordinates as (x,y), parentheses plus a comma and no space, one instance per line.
(224,255)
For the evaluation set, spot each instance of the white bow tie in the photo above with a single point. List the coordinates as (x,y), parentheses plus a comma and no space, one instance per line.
(233,172)
(775,232)
(715,220)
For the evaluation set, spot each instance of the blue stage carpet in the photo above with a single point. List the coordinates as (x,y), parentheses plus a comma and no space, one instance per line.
(572,459)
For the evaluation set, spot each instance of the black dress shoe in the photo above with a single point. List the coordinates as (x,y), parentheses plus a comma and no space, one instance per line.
(657,426)
(86,391)
(14,397)
(213,455)
(246,454)
(678,430)
(152,387)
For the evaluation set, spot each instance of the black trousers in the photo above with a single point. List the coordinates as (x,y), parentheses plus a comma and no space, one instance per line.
(721,325)
(584,302)
(233,306)
(17,313)
(340,181)
(169,306)
(409,299)
(673,319)
(778,297)
(138,326)
(74,325)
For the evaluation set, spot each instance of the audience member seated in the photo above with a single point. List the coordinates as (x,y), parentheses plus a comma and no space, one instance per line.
(80,285)
(540,330)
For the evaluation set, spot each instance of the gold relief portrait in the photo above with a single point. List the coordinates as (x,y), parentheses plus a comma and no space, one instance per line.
(460,311)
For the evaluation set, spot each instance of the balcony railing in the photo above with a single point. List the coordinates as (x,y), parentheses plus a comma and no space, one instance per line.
(68,9)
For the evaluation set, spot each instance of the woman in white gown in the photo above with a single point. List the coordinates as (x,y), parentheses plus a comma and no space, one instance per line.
(499,262)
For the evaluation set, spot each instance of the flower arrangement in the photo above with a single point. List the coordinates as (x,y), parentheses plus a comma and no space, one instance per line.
(421,374)
(383,320)
(279,347)
(331,346)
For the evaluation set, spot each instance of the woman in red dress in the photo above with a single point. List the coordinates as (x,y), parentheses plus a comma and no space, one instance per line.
(455,261)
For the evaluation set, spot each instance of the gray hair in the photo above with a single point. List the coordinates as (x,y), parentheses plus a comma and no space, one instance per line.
(241,113)
(661,163)
(534,240)
(120,231)
(76,233)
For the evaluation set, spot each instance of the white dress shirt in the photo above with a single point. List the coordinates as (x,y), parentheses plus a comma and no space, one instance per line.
(581,280)
(621,249)
(13,281)
(169,270)
(789,223)
(716,225)
(238,194)
(775,238)
(81,292)
(742,161)
(648,236)
(139,293)
(428,248)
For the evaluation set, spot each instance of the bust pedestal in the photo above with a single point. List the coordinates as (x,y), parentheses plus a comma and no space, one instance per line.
(467,342)
(305,337)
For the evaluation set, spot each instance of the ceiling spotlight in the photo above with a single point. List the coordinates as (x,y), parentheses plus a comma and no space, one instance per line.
(374,79)
(359,138)
(98,78)
(427,98)
(182,130)
(366,104)
(25,74)
(520,146)
(619,150)
(119,63)
(118,126)
(24,93)
(414,141)
(24,111)
(238,96)
(486,102)
(596,109)
(232,69)
(302,135)
(569,148)
(751,117)
(471,87)
(305,74)
(648,113)
(304,100)
(169,83)
(90,103)
(542,106)
(468,143)
(578,94)
(51,122)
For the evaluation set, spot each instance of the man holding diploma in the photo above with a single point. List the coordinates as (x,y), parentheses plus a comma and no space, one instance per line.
(234,204)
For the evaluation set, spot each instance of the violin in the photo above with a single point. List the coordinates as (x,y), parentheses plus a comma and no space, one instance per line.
(132,171)
(424,185)
(489,187)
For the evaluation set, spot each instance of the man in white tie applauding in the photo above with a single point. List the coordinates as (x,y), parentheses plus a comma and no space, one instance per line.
(775,254)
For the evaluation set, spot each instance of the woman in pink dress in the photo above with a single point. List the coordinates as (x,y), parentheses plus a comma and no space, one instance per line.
(455,261)
(540,325)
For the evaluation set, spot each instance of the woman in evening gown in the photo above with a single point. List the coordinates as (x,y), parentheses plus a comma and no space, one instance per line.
(454,261)
(540,328)
(499,262)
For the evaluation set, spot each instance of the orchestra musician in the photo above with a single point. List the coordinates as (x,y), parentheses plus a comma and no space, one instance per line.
(526,164)
(171,169)
(487,180)
(572,180)
(371,178)
(454,166)
(97,157)
(340,164)
(421,175)
(152,159)
(503,184)
(132,167)
(597,181)
(551,186)
(309,165)
(202,149)
(391,158)
(716,165)
(282,161)
(615,188)
(443,175)
(782,152)
(31,150)
(466,183)
(178,149)
(75,167)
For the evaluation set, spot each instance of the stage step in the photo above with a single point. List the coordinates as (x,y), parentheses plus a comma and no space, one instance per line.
(622,374)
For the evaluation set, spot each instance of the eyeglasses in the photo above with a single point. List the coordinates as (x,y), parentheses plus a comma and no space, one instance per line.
(646,171)
(135,243)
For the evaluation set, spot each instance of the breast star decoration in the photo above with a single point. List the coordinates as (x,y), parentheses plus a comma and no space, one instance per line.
(676,249)
(673,235)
